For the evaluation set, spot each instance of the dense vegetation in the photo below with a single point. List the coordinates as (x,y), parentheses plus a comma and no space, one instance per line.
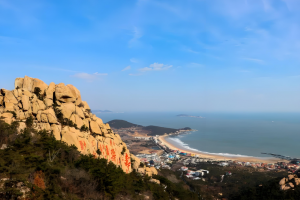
(154,130)
(244,183)
(117,123)
(267,191)
(53,170)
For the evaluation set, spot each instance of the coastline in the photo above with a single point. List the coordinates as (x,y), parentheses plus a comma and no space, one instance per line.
(251,159)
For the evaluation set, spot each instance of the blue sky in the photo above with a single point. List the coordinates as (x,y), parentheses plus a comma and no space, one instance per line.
(158,55)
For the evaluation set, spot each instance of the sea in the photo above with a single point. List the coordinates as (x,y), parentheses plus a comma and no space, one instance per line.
(227,134)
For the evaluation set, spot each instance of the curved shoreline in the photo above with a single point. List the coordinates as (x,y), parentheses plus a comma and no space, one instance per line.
(219,157)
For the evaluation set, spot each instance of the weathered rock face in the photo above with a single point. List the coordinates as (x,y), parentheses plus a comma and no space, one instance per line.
(97,136)
(290,182)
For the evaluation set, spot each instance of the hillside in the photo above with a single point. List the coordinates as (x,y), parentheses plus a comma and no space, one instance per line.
(118,123)
(154,130)
(34,165)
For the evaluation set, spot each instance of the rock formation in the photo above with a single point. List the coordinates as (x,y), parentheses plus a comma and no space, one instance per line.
(289,182)
(60,109)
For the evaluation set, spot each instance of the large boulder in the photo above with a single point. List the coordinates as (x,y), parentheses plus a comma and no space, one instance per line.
(77,120)
(48,102)
(25,102)
(79,112)
(67,109)
(77,92)
(20,115)
(9,106)
(85,105)
(282,181)
(7,117)
(19,82)
(290,177)
(38,105)
(37,83)
(47,116)
(26,92)
(135,162)
(95,127)
(70,136)
(27,83)
(10,97)
(154,181)
(49,92)
(1,100)
(150,171)
(65,94)
(42,126)
(86,122)
(56,131)
(22,126)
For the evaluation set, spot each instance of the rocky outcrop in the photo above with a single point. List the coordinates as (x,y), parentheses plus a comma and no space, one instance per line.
(53,108)
(289,182)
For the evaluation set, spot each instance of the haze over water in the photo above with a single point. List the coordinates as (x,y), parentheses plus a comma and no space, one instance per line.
(227,133)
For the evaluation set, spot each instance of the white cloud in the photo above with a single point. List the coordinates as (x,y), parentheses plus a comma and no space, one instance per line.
(134,60)
(89,77)
(126,68)
(155,67)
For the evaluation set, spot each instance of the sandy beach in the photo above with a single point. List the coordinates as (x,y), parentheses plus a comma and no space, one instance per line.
(218,157)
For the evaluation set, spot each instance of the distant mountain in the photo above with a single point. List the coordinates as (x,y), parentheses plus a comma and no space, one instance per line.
(184,115)
(155,130)
(101,111)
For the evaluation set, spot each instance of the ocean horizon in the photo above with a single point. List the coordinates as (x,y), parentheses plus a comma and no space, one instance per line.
(225,134)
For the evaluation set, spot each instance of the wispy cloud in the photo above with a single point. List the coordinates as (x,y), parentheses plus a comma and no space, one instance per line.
(126,68)
(89,77)
(191,50)
(254,60)
(134,41)
(133,60)
(156,67)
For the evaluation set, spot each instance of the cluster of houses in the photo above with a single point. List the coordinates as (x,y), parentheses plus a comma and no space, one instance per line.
(163,161)
(189,159)
(195,175)
(193,159)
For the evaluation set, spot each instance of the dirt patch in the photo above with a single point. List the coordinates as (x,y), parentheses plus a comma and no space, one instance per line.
(173,178)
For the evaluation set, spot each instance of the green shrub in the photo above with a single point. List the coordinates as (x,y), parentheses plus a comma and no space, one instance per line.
(84,128)
(13,112)
(37,91)
(123,150)
(29,122)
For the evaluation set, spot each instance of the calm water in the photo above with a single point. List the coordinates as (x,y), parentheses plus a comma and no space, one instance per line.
(227,133)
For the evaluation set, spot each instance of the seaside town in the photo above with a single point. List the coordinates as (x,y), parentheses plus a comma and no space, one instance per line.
(152,151)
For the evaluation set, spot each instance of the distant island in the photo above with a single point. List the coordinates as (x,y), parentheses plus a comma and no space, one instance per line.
(101,111)
(184,115)
(150,130)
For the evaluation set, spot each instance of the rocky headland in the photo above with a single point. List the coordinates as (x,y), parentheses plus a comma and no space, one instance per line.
(58,108)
